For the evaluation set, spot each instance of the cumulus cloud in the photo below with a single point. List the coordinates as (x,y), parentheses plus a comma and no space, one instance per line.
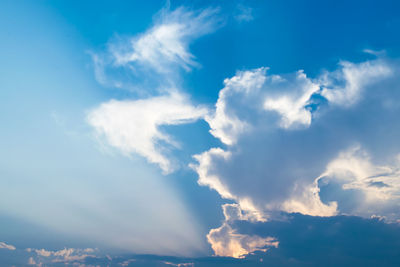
(378,185)
(226,241)
(242,88)
(291,104)
(6,246)
(132,126)
(283,131)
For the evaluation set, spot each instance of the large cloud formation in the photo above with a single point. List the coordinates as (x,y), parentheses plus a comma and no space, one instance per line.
(318,146)
(289,136)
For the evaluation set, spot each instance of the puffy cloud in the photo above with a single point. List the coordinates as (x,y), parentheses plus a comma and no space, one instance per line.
(307,201)
(292,105)
(6,246)
(281,132)
(66,255)
(248,93)
(379,185)
(240,90)
(226,241)
(204,170)
(345,86)
(132,126)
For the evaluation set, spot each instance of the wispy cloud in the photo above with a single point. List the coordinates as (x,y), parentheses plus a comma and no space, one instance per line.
(133,126)
(243,13)
(156,57)
(166,45)
(6,246)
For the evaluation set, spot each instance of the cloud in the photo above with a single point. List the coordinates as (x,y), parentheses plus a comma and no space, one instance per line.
(156,57)
(226,241)
(166,44)
(378,185)
(345,86)
(132,126)
(6,246)
(242,88)
(291,104)
(243,13)
(152,61)
(282,131)
(319,241)
(279,132)
(66,255)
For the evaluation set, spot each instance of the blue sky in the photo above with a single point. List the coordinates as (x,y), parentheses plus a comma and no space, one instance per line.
(199,133)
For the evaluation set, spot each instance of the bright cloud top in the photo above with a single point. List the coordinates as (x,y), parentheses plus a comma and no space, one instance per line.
(280,131)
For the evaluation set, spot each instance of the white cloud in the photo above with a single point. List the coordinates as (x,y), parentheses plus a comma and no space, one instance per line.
(147,63)
(132,126)
(204,170)
(166,44)
(345,85)
(248,93)
(307,201)
(6,246)
(226,241)
(224,123)
(67,256)
(291,105)
(274,164)
(379,184)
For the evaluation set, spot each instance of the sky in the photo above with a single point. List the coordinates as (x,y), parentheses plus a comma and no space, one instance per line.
(200,133)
